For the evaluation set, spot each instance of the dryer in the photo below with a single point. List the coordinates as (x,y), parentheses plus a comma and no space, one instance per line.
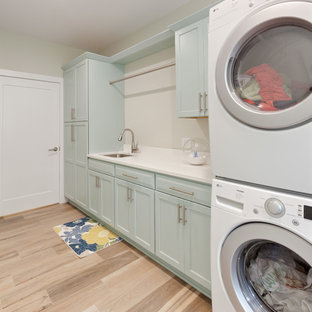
(250,225)
(260,84)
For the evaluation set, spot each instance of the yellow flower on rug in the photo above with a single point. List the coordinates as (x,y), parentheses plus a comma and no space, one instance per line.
(99,235)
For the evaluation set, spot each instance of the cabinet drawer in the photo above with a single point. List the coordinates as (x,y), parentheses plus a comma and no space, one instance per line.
(193,191)
(137,176)
(101,166)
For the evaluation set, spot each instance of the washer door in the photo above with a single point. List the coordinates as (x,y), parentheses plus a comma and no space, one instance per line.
(264,70)
(238,257)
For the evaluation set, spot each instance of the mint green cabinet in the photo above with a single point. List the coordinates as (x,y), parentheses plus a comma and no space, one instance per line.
(197,239)
(191,69)
(183,236)
(134,213)
(169,231)
(76,93)
(75,162)
(122,208)
(101,196)
(94,118)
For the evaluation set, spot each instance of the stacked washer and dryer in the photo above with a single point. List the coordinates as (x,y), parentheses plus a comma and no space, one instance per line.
(260,119)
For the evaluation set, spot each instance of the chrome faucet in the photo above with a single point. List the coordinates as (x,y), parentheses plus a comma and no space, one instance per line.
(134,147)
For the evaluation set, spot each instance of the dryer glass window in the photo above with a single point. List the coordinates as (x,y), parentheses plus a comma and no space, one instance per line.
(273,70)
(272,277)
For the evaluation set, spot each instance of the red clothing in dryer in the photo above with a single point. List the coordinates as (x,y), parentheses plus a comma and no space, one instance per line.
(270,83)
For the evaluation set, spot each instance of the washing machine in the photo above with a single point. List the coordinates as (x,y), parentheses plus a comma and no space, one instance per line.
(260,84)
(260,236)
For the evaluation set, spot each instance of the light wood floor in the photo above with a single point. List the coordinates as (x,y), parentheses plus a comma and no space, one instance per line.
(38,271)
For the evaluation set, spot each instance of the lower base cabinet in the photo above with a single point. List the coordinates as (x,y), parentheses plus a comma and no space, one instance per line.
(134,213)
(183,236)
(101,196)
(169,218)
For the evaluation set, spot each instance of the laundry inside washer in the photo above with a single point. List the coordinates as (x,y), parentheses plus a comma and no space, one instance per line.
(280,277)
(264,72)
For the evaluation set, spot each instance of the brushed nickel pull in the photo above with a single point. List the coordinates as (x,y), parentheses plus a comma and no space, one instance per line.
(205,101)
(97,182)
(200,101)
(128,196)
(72,133)
(128,176)
(183,216)
(179,213)
(54,149)
(181,191)
(72,113)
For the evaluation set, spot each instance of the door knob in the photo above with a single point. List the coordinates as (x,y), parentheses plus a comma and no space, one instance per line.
(54,149)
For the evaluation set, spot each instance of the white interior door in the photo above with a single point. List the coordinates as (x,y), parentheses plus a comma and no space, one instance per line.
(29,125)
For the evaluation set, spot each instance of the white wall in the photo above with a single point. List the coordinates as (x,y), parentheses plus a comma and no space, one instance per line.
(150,105)
(157,27)
(27,54)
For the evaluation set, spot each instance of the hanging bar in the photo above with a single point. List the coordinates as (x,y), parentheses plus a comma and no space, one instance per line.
(142,73)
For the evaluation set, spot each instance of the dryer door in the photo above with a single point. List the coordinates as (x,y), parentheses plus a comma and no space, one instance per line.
(267,268)
(264,71)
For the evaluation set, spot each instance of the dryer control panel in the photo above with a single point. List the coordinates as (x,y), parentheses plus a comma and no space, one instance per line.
(254,203)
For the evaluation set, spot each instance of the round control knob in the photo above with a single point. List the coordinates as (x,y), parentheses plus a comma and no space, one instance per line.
(274,207)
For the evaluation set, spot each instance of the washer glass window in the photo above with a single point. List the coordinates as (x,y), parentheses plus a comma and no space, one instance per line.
(274,278)
(273,70)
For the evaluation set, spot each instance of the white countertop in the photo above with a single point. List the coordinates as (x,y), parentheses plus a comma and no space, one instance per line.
(162,160)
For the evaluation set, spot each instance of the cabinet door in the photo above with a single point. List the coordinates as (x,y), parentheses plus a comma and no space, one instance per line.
(190,70)
(106,212)
(122,207)
(197,249)
(142,207)
(81,143)
(81,109)
(69,94)
(69,143)
(81,186)
(69,180)
(95,198)
(169,230)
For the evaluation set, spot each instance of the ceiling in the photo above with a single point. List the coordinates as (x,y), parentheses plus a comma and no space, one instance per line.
(89,25)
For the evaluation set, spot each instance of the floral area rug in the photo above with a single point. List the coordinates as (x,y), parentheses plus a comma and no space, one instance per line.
(85,236)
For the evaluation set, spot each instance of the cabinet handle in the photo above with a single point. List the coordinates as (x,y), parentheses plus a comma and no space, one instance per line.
(131,194)
(205,101)
(97,182)
(183,216)
(72,133)
(72,113)
(184,192)
(179,213)
(200,101)
(128,176)
(128,196)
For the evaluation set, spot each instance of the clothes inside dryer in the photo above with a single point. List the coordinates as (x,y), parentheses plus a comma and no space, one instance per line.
(279,277)
(273,70)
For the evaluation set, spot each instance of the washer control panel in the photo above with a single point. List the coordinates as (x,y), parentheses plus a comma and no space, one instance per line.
(264,204)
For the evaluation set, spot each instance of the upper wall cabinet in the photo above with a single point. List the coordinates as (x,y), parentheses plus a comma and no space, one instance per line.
(191,69)
(76,93)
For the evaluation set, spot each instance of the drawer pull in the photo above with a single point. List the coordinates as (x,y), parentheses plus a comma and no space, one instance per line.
(181,191)
(179,213)
(128,176)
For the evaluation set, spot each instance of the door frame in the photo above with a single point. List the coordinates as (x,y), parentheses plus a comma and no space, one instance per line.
(59,81)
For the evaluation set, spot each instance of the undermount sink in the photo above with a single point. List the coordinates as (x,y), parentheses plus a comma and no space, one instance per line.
(118,155)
